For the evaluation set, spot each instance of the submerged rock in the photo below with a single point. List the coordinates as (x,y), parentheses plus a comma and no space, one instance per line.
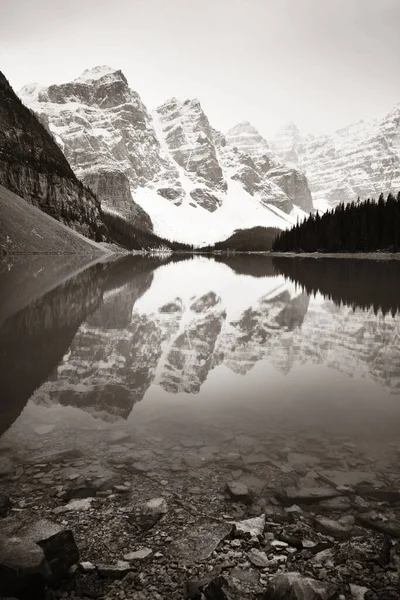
(308,495)
(239,492)
(198,541)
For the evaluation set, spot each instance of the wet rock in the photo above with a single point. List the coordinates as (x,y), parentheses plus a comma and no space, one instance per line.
(5,505)
(239,492)
(221,588)
(250,527)
(117,571)
(381,494)
(140,554)
(293,586)
(341,528)
(198,541)
(31,555)
(388,527)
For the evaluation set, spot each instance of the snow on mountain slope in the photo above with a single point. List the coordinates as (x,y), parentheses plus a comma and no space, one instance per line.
(362,159)
(195,186)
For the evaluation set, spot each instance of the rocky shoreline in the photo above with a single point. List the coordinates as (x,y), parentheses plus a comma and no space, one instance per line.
(161,518)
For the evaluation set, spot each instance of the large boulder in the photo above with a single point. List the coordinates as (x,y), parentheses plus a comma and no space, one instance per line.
(33,555)
(293,586)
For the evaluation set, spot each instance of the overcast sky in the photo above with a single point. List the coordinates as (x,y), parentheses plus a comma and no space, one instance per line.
(322,64)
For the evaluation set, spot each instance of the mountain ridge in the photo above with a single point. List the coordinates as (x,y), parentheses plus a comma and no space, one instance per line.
(171,164)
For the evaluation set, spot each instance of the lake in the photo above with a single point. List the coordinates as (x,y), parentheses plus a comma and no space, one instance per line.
(172,376)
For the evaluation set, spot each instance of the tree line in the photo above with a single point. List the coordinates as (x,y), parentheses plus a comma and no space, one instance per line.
(365,226)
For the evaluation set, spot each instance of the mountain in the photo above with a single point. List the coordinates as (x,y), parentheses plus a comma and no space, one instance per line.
(255,239)
(362,159)
(33,166)
(25,229)
(181,326)
(170,169)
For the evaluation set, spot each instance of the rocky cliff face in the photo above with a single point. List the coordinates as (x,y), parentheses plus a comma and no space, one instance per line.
(362,159)
(172,163)
(33,167)
(262,168)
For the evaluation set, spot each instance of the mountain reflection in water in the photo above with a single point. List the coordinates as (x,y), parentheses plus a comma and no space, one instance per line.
(231,330)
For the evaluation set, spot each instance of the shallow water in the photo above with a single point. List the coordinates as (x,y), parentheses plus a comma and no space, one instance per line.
(177,364)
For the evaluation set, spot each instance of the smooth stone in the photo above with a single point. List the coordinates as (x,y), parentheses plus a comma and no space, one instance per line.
(44,429)
(138,554)
(258,558)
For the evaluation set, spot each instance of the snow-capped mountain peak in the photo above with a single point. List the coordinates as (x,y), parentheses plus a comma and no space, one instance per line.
(197,185)
(246,138)
(97,73)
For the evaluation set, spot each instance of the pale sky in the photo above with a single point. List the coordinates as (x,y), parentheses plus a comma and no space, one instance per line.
(322,64)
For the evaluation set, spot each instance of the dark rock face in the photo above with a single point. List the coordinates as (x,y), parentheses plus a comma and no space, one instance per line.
(206,200)
(113,190)
(34,167)
(173,194)
(293,586)
(257,167)
(33,555)
(294,184)
(189,137)
(5,505)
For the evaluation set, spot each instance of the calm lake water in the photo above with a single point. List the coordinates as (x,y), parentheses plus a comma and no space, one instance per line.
(164,359)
